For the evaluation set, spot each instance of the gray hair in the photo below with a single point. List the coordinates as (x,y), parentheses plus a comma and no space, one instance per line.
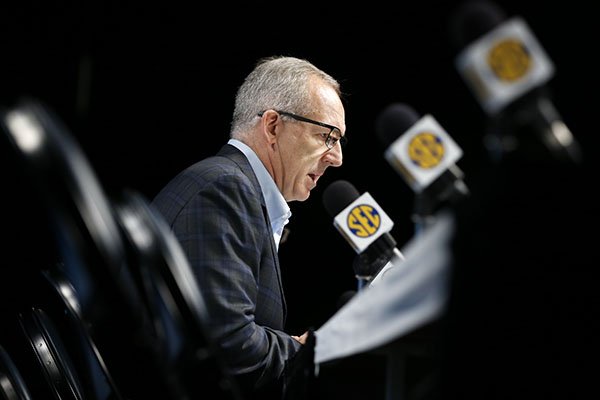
(277,82)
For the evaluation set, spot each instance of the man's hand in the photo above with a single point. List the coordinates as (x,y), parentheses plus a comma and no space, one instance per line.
(302,338)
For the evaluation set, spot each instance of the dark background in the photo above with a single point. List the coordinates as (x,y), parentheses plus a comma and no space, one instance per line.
(148,88)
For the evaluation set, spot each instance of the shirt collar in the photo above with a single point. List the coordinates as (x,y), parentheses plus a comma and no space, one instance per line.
(277,208)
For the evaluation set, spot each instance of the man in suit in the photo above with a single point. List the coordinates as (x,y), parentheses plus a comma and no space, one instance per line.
(228,212)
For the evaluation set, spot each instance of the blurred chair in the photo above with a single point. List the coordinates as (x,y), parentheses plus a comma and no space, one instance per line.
(12,385)
(51,344)
(57,295)
(88,242)
(51,362)
(131,299)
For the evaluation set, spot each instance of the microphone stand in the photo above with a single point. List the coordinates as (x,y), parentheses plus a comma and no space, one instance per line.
(423,207)
(373,259)
(447,187)
(536,116)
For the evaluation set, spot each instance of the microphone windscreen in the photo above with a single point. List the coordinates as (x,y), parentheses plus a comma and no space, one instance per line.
(473,19)
(393,121)
(338,195)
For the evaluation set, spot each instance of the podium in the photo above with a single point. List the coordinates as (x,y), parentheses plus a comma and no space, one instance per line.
(396,314)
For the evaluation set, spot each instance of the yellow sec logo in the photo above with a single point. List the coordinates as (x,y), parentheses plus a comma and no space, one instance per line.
(426,150)
(509,60)
(363,220)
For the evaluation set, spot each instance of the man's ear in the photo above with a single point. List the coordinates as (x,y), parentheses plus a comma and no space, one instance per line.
(271,126)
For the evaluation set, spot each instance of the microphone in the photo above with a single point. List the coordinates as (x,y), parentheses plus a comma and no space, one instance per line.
(424,155)
(506,69)
(365,226)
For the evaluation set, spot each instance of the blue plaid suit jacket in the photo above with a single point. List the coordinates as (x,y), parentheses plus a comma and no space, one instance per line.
(217,211)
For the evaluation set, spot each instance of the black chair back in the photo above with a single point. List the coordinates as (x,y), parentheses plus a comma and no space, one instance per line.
(12,385)
(123,281)
(90,247)
(52,360)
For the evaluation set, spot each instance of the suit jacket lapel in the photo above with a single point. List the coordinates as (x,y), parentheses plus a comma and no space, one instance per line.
(240,159)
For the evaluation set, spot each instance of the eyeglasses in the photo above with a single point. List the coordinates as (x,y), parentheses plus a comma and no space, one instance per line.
(333,136)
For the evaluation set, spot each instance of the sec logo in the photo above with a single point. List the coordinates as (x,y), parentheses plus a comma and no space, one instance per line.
(364,220)
(426,150)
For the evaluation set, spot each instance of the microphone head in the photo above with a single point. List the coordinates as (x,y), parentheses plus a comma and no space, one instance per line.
(338,195)
(393,121)
(473,19)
